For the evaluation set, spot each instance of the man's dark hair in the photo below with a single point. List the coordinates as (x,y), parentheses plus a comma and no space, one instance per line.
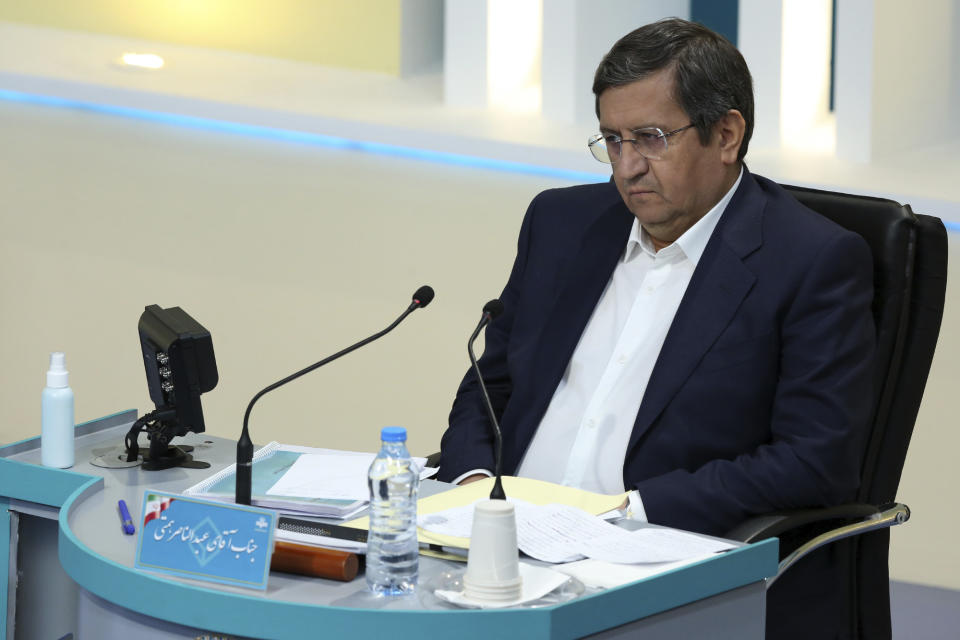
(710,75)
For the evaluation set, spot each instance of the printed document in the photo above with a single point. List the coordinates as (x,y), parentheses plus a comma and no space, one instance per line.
(334,474)
(561,533)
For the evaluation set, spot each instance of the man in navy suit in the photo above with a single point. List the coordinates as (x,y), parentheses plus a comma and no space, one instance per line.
(689,332)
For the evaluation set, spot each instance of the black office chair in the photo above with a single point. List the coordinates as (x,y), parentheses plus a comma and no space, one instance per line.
(910,272)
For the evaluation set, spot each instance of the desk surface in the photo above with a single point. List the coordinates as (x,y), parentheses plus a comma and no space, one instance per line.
(95,553)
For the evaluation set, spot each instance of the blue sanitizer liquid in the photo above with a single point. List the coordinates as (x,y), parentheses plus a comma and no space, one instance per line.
(392,548)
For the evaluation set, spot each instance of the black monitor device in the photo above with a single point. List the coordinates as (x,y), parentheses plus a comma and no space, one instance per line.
(180,366)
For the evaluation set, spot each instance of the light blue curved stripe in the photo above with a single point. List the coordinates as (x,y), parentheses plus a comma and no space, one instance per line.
(302,137)
(316,139)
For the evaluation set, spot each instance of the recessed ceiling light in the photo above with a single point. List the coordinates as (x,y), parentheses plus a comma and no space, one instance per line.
(143,60)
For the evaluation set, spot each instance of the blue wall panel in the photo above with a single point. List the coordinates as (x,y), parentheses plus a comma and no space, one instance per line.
(719,15)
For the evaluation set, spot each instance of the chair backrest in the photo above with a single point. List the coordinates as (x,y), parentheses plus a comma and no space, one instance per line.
(910,271)
(919,343)
(910,258)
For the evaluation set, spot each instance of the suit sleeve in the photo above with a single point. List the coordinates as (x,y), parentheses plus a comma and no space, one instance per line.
(819,414)
(468,441)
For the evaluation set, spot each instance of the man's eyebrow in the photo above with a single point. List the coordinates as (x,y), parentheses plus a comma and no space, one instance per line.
(605,129)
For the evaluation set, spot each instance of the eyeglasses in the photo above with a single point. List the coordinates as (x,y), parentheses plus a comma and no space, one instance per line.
(650,142)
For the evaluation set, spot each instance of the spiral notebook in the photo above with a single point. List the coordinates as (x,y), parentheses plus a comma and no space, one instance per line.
(270,463)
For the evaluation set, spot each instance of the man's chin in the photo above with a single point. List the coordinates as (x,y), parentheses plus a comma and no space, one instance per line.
(650,217)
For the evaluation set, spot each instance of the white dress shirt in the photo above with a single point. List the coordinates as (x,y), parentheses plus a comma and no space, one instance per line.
(582,439)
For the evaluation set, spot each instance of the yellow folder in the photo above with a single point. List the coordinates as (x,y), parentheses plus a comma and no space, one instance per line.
(526,489)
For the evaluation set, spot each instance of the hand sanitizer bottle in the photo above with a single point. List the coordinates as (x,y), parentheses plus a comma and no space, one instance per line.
(56,434)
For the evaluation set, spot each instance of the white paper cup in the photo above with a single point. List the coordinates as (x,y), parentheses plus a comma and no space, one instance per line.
(493,564)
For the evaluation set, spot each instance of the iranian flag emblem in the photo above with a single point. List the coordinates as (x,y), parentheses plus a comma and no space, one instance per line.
(155,506)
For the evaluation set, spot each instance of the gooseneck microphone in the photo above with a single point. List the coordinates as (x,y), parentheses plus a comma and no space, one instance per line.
(490,311)
(421,298)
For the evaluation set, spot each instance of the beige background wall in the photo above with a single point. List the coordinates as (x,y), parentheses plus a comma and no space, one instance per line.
(287,253)
(353,34)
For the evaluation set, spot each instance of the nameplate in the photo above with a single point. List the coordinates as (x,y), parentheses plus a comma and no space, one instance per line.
(205,540)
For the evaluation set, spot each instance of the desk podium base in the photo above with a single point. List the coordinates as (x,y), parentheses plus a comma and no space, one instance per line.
(728,616)
(720,597)
(732,615)
(99,618)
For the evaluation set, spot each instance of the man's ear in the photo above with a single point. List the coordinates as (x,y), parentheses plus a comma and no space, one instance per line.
(730,130)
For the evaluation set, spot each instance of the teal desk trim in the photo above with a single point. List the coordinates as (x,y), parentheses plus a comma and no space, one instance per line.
(234,611)
(45,485)
(4,563)
(81,429)
(248,615)
(42,485)
(673,588)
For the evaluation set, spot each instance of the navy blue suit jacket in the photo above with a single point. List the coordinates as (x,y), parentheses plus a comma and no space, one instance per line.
(760,397)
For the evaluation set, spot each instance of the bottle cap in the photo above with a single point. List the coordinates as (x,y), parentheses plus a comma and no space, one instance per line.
(393,434)
(57,375)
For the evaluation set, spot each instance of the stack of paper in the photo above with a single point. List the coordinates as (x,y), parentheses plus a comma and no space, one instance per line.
(561,533)
(301,480)
(560,524)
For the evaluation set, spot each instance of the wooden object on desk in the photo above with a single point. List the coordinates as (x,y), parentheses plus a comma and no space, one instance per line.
(306,560)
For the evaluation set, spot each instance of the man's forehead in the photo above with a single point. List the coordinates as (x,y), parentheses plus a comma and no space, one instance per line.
(648,102)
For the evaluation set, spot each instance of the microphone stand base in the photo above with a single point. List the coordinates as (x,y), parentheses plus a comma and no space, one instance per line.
(497,492)
(174,456)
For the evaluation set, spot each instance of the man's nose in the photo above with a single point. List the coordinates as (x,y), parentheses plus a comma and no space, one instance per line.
(631,162)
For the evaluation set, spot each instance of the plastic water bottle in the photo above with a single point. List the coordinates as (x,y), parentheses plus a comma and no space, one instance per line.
(392,548)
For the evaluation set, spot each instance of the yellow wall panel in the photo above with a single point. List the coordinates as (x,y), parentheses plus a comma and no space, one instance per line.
(354,34)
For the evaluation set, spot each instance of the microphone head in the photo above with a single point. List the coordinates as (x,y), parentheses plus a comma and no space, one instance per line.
(423,296)
(493,308)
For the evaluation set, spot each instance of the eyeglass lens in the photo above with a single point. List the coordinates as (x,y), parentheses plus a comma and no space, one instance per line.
(650,143)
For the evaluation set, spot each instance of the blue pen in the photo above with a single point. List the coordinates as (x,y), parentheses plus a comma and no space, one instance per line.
(125,518)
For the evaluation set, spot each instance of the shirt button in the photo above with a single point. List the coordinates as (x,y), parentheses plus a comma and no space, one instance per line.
(649,289)
(591,424)
(622,359)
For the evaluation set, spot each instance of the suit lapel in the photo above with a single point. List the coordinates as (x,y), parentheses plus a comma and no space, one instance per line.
(586,277)
(716,290)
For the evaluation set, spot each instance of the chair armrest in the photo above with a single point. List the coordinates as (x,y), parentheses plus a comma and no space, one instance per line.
(890,515)
(774,524)
(865,518)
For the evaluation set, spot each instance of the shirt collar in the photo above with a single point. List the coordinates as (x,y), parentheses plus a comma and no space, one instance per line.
(693,241)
